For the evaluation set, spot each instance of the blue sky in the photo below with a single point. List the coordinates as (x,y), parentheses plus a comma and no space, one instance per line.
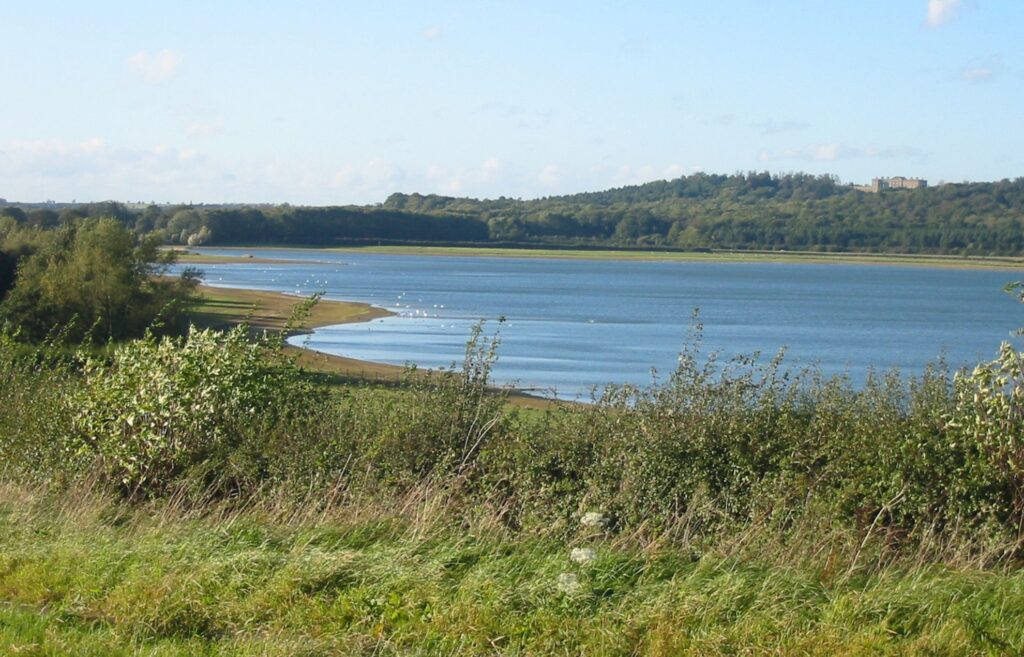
(338,102)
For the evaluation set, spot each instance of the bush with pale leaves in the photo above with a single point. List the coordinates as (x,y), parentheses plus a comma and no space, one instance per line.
(159,406)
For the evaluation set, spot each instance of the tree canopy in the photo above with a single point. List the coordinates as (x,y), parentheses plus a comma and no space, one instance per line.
(91,278)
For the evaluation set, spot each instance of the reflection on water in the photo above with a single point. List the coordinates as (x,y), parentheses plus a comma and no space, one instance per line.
(572,324)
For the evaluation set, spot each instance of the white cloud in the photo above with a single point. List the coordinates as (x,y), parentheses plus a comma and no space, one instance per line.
(157,66)
(432,32)
(977,74)
(206,128)
(638,175)
(94,169)
(720,119)
(981,70)
(830,152)
(550,175)
(773,127)
(494,177)
(674,171)
(375,178)
(492,165)
(827,152)
(634,45)
(890,152)
(473,181)
(941,12)
(49,157)
(501,109)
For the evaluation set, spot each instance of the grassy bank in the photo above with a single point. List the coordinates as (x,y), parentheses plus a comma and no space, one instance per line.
(85,576)
(220,307)
(789,257)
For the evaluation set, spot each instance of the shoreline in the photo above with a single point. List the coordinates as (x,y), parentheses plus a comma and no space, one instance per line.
(1007,263)
(222,307)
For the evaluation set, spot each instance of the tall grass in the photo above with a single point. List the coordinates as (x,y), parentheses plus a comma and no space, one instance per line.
(83,574)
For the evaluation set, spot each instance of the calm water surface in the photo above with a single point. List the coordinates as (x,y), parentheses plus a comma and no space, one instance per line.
(572,325)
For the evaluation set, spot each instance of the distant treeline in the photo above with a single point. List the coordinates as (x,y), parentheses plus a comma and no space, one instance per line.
(701,211)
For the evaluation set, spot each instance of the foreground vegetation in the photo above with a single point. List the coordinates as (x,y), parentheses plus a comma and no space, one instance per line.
(201,495)
(85,575)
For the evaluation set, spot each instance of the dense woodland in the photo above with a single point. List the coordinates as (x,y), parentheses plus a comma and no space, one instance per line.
(700,211)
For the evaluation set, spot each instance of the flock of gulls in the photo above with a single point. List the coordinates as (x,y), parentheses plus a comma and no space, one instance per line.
(401,308)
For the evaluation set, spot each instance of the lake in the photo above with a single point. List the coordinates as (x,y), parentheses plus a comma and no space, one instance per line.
(572,325)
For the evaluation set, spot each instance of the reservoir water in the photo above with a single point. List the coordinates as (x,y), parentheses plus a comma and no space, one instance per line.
(572,325)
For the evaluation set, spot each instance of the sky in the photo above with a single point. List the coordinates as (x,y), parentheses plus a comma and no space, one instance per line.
(327,103)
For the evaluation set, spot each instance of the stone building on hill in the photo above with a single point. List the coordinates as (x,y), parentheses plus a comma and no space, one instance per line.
(896,182)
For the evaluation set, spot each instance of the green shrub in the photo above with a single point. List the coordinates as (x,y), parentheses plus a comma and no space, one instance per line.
(161,406)
(989,415)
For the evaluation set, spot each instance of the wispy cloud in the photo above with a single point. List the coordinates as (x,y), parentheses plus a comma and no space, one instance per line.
(206,128)
(155,67)
(51,158)
(500,108)
(977,74)
(773,127)
(634,45)
(432,32)
(830,152)
(550,175)
(474,180)
(523,117)
(720,119)
(637,175)
(95,169)
(980,71)
(941,12)
(376,177)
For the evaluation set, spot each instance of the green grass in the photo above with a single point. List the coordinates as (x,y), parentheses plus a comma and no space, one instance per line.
(84,576)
